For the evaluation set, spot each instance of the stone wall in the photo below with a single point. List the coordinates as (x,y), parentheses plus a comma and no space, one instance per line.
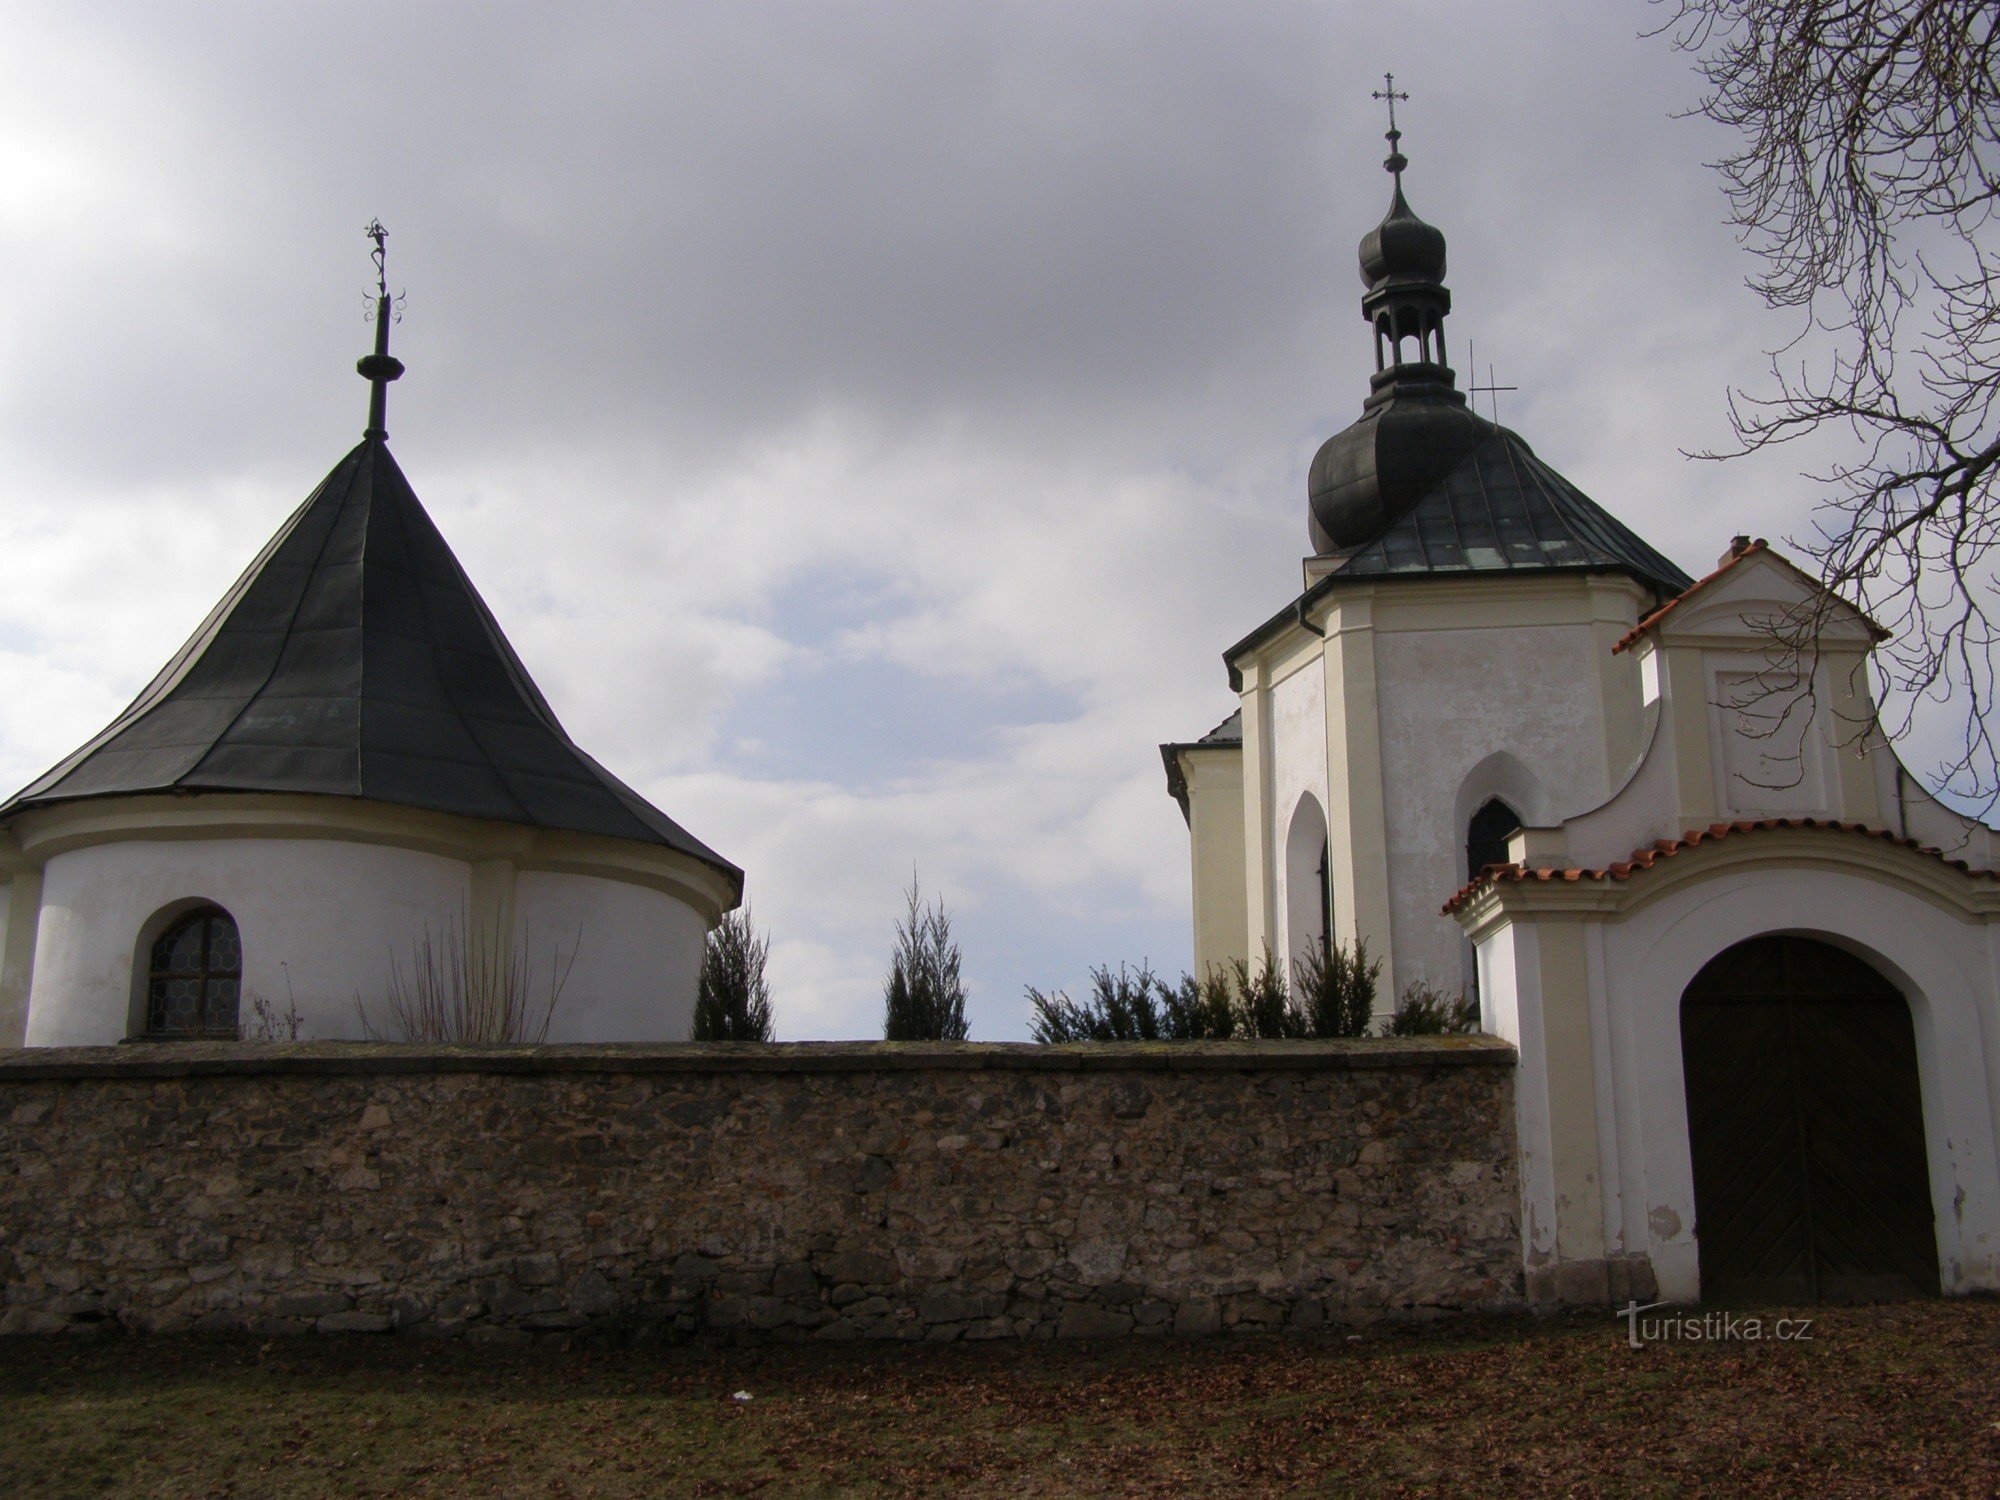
(826,1190)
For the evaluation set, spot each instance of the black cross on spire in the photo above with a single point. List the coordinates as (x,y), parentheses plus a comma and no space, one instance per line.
(1397,161)
(1491,389)
(379,368)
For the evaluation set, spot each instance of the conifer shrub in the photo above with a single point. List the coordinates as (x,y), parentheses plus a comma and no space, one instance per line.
(924,997)
(1121,1008)
(1199,1010)
(1262,1005)
(1134,1006)
(1332,995)
(732,1000)
(1424,1011)
(1334,990)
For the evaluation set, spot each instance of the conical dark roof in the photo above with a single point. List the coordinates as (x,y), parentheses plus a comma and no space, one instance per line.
(1500,508)
(354,658)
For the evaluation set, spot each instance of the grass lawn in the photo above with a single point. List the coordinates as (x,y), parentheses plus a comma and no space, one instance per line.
(1902,1399)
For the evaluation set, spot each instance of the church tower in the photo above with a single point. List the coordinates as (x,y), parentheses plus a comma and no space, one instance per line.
(1444,676)
(1515,751)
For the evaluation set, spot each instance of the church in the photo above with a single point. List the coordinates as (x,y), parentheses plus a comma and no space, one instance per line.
(344,788)
(1751,968)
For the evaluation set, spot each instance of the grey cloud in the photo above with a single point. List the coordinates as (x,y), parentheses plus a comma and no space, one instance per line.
(1028,316)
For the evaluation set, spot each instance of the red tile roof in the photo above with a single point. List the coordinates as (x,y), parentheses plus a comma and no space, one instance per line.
(1645,859)
(1631,637)
(1749,549)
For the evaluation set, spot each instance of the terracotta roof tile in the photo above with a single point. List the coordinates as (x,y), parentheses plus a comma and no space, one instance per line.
(1631,637)
(1645,859)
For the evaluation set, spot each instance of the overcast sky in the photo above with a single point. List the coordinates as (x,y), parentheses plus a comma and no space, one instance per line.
(869,422)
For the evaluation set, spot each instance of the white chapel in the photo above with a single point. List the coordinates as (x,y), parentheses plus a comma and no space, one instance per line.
(1752,969)
(345,778)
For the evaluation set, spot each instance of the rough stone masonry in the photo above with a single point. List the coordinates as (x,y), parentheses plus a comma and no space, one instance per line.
(807,1190)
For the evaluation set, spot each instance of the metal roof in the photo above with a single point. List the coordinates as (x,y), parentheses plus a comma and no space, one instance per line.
(1501,509)
(1225,736)
(354,658)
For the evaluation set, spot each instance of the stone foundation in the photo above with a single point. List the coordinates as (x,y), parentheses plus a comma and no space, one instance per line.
(809,1190)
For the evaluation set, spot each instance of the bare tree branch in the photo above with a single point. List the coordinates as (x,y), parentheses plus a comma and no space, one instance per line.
(1867,185)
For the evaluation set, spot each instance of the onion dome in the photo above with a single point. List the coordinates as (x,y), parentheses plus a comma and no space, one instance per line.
(1401,246)
(1415,426)
(1420,484)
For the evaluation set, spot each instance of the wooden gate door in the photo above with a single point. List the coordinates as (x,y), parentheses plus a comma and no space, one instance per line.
(1805,1120)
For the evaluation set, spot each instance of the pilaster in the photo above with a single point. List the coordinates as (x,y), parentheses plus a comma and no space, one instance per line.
(1358,835)
(1259,886)
(17,956)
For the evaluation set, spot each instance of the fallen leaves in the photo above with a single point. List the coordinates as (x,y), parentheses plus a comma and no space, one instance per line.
(1885,1399)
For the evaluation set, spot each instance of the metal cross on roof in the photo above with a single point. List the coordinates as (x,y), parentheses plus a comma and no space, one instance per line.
(1492,391)
(1396,161)
(1388,91)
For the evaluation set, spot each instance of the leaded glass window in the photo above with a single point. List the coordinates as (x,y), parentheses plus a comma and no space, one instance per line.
(197,977)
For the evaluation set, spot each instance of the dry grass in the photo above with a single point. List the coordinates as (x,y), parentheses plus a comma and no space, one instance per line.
(1889,1400)
(467,986)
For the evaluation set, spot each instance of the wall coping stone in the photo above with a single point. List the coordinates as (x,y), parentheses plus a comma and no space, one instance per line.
(203,1059)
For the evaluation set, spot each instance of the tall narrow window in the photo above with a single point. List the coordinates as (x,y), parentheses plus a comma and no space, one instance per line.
(1305,890)
(1486,836)
(196,978)
(1326,901)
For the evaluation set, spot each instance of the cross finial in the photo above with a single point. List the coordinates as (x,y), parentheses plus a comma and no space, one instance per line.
(379,368)
(1492,388)
(1396,160)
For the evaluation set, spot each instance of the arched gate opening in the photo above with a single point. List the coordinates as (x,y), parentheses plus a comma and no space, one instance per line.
(1806,1128)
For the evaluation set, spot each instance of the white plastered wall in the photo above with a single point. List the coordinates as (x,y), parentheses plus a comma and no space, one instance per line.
(631,957)
(1450,699)
(1298,771)
(1640,962)
(1215,847)
(1939,960)
(324,920)
(13,996)
(320,921)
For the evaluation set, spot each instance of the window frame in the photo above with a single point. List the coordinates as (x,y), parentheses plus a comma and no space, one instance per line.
(207,914)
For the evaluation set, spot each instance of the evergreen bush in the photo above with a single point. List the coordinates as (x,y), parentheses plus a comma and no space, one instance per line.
(1334,996)
(924,997)
(1131,1006)
(1423,1011)
(1199,1010)
(732,1000)
(1335,990)
(1121,1008)
(1263,1005)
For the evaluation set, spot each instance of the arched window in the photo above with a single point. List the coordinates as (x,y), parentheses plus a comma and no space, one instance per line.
(196,977)
(1486,836)
(1308,892)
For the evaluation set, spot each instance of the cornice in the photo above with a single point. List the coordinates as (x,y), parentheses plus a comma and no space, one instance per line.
(40,834)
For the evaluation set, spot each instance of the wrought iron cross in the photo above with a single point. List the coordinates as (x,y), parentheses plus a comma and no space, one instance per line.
(1396,160)
(1388,91)
(1492,390)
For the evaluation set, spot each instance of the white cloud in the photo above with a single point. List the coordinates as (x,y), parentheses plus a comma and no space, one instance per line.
(760,355)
